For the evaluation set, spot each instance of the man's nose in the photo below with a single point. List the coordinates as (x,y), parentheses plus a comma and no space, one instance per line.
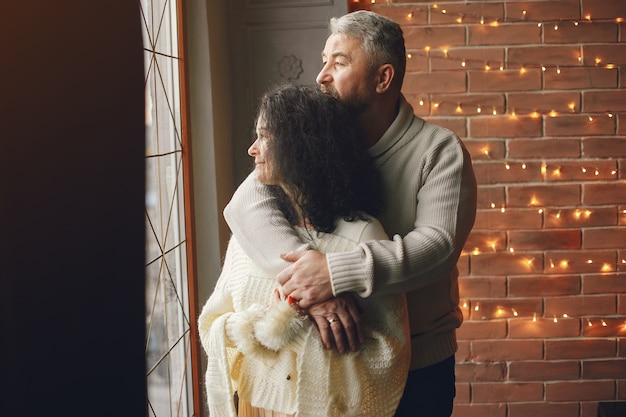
(323,77)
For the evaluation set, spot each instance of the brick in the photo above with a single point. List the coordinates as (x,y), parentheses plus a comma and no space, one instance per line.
(464,58)
(602,9)
(469,13)
(547,148)
(585,305)
(454,124)
(542,55)
(440,82)
(621,348)
(607,327)
(505,264)
(504,34)
(605,193)
(581,261)
(603,55)
(462,353)
(417,61)
(604,238)
(486,241)
(544,195)
(468,104)
(605,101)
(544,328)
(580,391)
(499,172)
(462,393)
(506,350)
(541,11)
(538,370)
(543,409)
(482,287)
(510,391)
(603,369)
(463,265)
(544,239)
(580,349)
(494,308)
(504,127)
(476,372)
(581,170)
(621,302)
(489,197)
(506,80)
(433,37)
(545,285)
(472,330)
(480,410)
(510,219)
(581,33)
(403,15)
(485,149)
(420,104)
(608,147)
(571,125)
(590,217)
(604,284)
(543,102)
(581,78)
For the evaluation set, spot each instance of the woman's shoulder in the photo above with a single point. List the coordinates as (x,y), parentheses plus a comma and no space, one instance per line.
(361,230)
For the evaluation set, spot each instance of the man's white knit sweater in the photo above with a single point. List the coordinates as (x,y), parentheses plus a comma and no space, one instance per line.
(430,196)
(274,358)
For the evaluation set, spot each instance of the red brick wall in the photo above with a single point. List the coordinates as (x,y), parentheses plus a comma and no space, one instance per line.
(537,91)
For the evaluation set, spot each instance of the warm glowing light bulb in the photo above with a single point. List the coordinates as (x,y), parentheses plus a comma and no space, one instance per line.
(459,109)
(410,15)
(564,263)
(534,317)
(463,63)
(522,70)
(421,102)
(409,56)
(572,106)
(553,113)
(427,48)
(479,109)
(482,20)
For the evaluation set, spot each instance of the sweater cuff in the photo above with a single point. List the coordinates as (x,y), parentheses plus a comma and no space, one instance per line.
(349,272)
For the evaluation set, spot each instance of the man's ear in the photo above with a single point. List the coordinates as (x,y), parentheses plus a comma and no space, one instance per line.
(384,77)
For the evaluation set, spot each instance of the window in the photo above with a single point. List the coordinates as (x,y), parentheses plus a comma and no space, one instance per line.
(168,272)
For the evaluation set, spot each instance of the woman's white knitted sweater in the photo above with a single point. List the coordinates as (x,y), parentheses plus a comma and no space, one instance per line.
(274,359)
(430,196)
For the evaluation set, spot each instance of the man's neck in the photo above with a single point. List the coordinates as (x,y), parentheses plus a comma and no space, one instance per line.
(377,118)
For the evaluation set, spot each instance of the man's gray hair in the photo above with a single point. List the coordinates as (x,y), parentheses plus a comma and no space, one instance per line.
(382,39)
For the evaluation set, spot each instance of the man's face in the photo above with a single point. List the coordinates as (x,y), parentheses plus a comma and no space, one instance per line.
(345,74)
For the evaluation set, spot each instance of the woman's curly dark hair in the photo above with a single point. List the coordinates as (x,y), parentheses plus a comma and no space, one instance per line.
(317,150)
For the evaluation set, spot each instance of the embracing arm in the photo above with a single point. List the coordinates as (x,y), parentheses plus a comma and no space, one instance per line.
(260,227)
(445,213)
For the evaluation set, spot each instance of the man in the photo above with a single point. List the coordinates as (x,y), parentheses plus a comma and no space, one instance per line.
(430,196)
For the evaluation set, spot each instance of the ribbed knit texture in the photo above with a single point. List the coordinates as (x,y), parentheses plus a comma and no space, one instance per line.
(302,377)
(430,195)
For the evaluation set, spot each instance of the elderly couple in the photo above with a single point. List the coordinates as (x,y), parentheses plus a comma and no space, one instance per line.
(339,294)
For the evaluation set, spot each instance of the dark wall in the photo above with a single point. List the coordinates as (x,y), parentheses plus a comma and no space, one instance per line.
(71,209)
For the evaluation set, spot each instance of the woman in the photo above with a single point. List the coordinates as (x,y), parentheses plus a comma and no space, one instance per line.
(309,151)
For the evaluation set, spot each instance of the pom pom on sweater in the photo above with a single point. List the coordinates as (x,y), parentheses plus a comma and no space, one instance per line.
(278,326)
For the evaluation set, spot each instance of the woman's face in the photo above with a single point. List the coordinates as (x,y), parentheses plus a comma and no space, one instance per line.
(258,150)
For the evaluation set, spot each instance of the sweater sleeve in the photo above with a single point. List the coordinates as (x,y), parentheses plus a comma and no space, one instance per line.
(260,227)
(446,208)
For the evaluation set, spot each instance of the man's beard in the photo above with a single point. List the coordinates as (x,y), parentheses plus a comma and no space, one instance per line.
(356,104)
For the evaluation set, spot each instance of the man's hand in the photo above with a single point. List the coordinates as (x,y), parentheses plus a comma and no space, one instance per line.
(339,322)
(307,279)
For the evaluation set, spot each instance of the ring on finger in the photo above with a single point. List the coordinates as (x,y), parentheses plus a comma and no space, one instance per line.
(334,319)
